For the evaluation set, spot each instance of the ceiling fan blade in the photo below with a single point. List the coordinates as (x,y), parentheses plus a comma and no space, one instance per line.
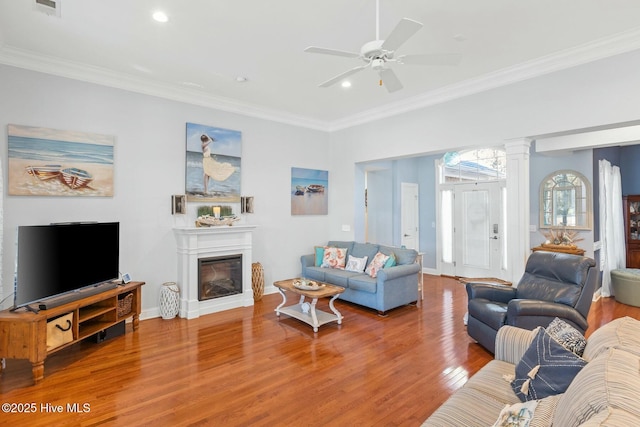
(390,80)
(401,33)
(431,59)
(343,75)
(314,49)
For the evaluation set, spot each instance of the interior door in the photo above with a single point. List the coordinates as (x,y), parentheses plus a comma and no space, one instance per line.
(410,216)
(478,229)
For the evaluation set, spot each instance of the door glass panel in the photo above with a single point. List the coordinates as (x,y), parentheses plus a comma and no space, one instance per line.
(476,229)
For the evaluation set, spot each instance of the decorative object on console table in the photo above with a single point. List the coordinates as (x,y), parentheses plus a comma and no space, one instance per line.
(560,240)
(561,236)
(257,280)
(169,300)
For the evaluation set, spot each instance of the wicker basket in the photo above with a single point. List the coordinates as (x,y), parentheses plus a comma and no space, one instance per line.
(124,304)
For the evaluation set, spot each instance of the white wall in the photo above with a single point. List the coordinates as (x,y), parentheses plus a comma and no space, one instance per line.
(149,168)
(598,93)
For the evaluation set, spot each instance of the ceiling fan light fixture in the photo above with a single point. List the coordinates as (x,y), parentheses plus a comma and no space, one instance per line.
(377,64)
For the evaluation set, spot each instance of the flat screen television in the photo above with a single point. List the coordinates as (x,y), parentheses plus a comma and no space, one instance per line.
(62,258)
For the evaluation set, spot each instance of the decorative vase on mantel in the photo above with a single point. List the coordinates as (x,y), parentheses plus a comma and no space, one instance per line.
(169,300)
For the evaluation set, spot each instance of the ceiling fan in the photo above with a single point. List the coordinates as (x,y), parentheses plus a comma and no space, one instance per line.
(378,54)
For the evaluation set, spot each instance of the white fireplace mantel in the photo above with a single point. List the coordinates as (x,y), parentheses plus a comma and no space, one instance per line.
(205,242)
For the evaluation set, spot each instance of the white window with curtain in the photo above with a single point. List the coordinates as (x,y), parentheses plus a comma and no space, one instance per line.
(612,238)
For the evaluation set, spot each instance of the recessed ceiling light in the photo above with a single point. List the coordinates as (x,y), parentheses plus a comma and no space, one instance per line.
(346,84)
(160,16)
(241,79)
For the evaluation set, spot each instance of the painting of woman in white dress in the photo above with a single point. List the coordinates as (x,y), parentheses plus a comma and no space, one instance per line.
(213,164)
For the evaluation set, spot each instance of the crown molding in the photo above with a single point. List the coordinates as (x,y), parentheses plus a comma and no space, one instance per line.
(49,65)
(599,49)
(588,52)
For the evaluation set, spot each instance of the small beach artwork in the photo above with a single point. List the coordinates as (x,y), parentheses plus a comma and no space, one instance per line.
(213,161)
(309,191)
(51,162)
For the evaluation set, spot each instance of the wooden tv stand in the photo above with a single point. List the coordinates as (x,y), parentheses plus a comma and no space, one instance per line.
(23,334)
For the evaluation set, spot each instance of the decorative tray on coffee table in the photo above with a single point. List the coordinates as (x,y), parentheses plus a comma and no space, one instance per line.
(307,285)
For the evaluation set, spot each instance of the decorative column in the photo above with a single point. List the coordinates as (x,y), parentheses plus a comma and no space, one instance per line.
(518,206)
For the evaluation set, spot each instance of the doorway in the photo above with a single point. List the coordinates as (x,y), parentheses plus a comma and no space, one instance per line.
(472,229)
(410,216)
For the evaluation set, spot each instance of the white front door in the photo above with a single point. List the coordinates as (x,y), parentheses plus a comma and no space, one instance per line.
(472,229)
(478,229)
(410,216)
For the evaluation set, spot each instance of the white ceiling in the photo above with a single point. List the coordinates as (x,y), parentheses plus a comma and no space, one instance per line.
(197,55)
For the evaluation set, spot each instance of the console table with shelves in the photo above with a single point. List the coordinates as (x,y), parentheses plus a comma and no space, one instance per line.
(23,333)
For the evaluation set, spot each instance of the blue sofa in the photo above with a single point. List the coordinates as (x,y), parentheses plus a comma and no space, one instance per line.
(393,287)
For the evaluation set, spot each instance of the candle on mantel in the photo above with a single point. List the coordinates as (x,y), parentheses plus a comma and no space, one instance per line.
(216,211)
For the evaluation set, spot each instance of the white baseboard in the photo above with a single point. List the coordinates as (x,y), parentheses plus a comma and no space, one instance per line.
(597,294)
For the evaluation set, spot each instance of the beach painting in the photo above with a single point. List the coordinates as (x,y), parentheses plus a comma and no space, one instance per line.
(309,191)
(51,162)
(213,164)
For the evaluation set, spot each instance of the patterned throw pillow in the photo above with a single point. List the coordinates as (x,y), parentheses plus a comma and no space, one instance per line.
(376,264)
(517,415)
(356,264)
(567,335)
(546,369)
(334,258)
(534,413)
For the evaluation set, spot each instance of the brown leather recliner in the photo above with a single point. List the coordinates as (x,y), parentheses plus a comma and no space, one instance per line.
(553,285)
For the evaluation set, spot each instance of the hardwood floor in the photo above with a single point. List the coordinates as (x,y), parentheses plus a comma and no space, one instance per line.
(248,367)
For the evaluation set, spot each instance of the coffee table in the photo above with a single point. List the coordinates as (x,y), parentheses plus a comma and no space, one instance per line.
(304,311)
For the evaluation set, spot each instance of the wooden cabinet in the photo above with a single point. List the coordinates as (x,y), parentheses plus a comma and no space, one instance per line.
(631,207)
(23,334)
